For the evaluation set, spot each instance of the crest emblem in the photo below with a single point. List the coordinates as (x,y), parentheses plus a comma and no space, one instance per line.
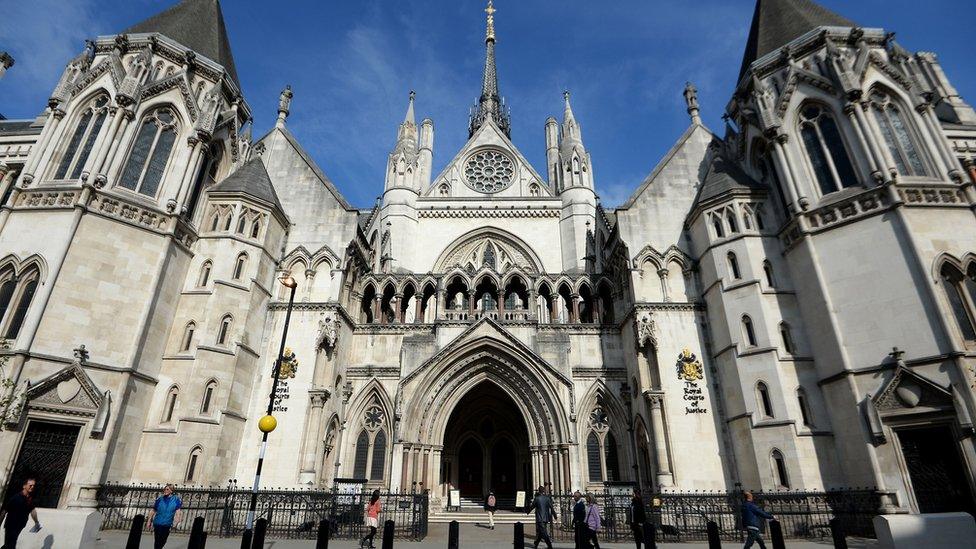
(289,365)
(689,367)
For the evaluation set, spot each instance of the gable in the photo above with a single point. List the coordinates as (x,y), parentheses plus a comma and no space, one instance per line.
(487,152)
(69,391)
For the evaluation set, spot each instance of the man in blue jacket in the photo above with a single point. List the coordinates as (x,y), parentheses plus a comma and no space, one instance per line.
(752,516)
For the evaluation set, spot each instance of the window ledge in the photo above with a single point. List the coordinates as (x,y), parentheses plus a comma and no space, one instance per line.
(750,351)
(215,349)
(198,291)
(171,430)
(201,419)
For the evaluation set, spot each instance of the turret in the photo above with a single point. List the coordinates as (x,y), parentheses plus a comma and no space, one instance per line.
(552,151)
(407,170)
(426,152)
(575,187)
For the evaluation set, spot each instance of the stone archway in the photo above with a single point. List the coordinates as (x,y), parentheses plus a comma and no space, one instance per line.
(486,445)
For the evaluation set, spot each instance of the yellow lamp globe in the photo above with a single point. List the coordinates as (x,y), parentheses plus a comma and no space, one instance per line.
(267,424)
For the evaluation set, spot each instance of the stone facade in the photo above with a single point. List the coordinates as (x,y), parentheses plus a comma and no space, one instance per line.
(488,325)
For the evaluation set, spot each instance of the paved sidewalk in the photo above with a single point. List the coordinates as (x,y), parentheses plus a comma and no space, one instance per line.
(471,536)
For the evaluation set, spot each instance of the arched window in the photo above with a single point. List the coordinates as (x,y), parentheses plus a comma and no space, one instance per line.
(224,330)
(779,469)
(730,219)
(215,220)
(825,148)
(748,331)
(206,177)
(147,161)
(768,272)
(23,302)
(362,455)
(765,403)
(894,130)
(170,405)
(746,219)
(378,466)
(760,223)
(208,394)
(188,336)
(241,223)
(256,227)
(717,225)
(205,273)
(959,302)
(239,266)
(7,292)
(444,189)
(733,266)
(801,400)
(489,257)
(610,447)
(191,464)
(83,139)
(787,336)
(593,457)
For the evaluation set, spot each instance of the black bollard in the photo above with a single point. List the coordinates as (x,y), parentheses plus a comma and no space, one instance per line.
(713,540)
(196,534)
(453,536)
(322,541)
(776,534)
(388,534)
(837,532)
(135,532)
(519,539)
(260,530)
(246,539)
(650,536)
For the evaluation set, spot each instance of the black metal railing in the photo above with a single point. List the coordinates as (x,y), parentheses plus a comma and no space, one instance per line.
(290,513)
(683,516)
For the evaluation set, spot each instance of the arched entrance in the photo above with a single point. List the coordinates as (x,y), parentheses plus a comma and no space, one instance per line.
(486,444)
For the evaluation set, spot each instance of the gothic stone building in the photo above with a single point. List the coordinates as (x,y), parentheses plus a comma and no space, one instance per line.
(790,304)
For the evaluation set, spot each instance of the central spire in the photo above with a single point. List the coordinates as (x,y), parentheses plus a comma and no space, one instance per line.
(490,104)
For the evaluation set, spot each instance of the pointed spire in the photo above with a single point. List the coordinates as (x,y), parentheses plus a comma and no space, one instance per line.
(490,103)
(571,128)
(691,98)
(284,106)
(409,118)
(775,23)
(197,25)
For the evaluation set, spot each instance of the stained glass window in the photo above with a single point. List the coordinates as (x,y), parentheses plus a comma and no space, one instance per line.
(593,457)
(379,456)
(895,133)
(147,161)
(82,140)
(825,148)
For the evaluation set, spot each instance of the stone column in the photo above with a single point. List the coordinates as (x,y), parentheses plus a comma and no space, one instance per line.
(501,304)
(665,289)
(441,304)
(40,148)
(575,309)
(407,467)
(311,438)
(553,317)
(395,305)
(47,151)
(779,157)
(655,400)
(941,141)
(378,309)
(471,304)
(597,310)
(418,314)
(435,468)
(850,109)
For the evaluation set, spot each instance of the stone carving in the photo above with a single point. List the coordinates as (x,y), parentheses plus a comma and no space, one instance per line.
(328,333)
(645,330)
(489,171)
(289,365)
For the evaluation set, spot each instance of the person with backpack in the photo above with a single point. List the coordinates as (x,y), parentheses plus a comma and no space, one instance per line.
(491,504)
(752,516)
(637,517)
(592,521)
(372,519)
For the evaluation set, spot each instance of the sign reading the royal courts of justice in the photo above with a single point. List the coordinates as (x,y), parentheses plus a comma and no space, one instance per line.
(691,371)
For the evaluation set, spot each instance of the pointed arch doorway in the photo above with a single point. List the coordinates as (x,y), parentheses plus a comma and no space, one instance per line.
(486,445)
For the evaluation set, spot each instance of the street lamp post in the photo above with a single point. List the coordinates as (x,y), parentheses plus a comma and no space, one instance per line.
(268,422)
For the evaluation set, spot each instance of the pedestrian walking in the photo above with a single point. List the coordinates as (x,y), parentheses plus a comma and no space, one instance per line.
(372,519)
(544,514)
(592,521)
(752,516)
(579,518)
(165,514)
(15,511)
(637,517)
(490,505)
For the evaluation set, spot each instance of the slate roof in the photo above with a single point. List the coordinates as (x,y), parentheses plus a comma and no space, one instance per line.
(196,24)
(251,179)
(19,127)
(775,23)
(724,176)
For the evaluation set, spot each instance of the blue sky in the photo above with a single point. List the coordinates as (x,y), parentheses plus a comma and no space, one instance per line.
(352,63)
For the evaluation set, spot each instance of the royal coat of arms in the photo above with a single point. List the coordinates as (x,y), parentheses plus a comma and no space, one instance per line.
(689,367)
(289,365)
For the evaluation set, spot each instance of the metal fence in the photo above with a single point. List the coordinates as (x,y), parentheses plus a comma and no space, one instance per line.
(290,513)
(683,516)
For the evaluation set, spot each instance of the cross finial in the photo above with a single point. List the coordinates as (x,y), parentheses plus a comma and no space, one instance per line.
(490,31)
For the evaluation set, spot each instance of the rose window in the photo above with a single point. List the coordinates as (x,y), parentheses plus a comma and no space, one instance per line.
(373,417)
(489,171)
